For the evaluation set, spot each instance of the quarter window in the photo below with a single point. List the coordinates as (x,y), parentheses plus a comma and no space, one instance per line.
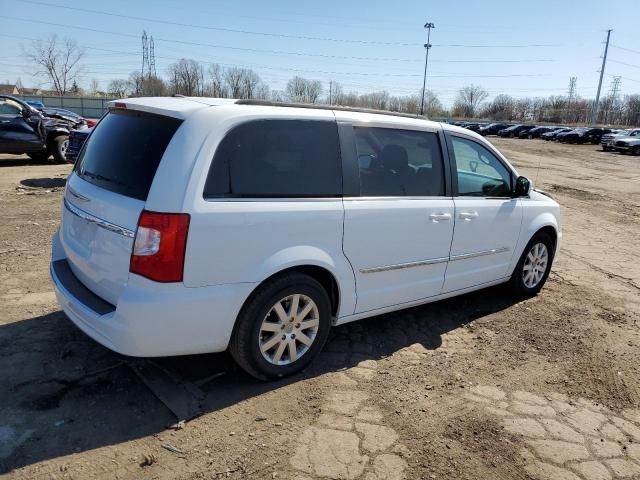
(479,172)
(277,158)
(396,162)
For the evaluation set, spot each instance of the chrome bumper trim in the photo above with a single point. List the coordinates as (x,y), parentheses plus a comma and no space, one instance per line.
(112,227)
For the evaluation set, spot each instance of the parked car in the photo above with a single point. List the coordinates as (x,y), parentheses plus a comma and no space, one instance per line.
(629,144)
(536,132)
(23,129)
(514,130)
(193,226)
(583,135)
(36,104)
(76,141)
(608,139)
(474,127)
(554,133)
(493,128)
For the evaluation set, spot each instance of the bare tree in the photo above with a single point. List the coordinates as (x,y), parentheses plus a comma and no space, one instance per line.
(94,86)
(234,79)
(118,88)
(432,105)
(186,77)
(59,61)
(469,100)
(217,86)
(148,86)
(301,89)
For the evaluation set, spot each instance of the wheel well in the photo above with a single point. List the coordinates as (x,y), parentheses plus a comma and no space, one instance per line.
(549,230)
(320,274)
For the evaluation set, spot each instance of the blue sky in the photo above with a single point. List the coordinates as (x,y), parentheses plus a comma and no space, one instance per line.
(522,48)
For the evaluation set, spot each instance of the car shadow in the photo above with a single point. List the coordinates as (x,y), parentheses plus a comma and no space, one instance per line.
(63,393)
(22,161)
(47,182)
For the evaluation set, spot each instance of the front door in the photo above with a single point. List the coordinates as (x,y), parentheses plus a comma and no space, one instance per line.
(17,133)
(397,233)
(487,218)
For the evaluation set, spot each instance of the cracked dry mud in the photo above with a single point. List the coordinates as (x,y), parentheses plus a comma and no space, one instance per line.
(348,440)
(567,439)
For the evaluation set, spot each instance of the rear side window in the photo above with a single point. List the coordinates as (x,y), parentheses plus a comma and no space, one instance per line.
(277,158)
(397,162)
(124,151)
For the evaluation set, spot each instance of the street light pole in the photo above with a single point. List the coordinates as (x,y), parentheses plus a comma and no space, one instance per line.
(427,47)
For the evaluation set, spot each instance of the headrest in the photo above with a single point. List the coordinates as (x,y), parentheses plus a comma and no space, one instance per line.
(395,157)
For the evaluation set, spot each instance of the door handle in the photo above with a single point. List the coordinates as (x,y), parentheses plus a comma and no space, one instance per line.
(438,217)
(468,216)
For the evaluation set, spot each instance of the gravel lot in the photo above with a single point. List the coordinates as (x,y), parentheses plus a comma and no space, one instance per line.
(479,386)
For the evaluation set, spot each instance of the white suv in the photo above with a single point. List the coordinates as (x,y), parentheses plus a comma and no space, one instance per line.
(194,225)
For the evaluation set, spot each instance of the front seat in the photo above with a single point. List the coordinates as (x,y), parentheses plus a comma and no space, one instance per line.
(399,174)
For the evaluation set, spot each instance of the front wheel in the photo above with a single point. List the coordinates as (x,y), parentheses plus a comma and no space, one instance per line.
(534,266)
(282,327)
(58,148)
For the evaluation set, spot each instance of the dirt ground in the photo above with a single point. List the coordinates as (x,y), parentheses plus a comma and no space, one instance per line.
(476,387)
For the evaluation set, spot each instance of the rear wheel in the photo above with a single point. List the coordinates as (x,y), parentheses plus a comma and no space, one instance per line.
(58,148)
(534,266)
(282,327)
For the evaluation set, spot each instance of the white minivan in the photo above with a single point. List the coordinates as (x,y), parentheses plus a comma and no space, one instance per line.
(194,225)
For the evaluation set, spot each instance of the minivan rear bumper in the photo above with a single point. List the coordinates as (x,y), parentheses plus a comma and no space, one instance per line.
(151,319)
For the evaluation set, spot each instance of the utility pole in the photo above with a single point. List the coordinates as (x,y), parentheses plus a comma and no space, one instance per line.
(594,114)
(330,91)
(427,47)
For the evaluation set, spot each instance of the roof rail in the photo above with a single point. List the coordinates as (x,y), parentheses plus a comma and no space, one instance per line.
(268,103)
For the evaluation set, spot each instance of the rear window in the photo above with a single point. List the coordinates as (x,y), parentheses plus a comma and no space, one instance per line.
(124,151)
(277,158)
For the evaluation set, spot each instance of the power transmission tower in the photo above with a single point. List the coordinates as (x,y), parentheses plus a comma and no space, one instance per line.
(152,58)
(571,93)
(613,98)
(145,53)
(594,114)
(427,47)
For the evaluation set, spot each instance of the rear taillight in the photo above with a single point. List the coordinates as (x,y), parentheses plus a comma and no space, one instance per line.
(159,247)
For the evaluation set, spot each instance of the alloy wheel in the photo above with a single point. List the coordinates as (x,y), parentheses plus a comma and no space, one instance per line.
(535,265)
(288,329)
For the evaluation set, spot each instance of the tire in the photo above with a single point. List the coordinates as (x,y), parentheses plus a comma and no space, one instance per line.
(260,311)
(518,283)
(39,156)
(636,150)
(605,149)
(58,147)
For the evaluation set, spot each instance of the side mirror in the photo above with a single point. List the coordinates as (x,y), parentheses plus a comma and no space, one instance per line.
(523,187)
(26,113)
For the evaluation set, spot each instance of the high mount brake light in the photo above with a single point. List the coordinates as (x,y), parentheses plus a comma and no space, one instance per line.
(159,247)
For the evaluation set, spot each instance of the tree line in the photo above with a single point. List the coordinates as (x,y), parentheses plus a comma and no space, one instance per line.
(61,64)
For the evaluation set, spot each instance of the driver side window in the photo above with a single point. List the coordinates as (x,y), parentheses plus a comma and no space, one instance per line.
(9,108)
(479,172)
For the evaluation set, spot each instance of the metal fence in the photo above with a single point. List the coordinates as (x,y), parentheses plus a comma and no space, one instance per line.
(88,107)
